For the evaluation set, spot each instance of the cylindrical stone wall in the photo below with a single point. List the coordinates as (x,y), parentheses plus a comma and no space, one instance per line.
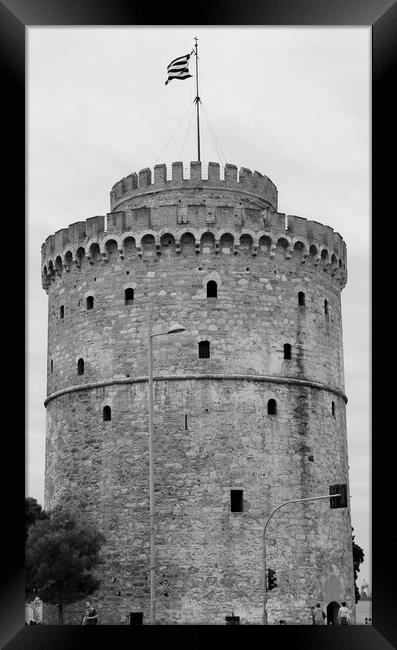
(278,282)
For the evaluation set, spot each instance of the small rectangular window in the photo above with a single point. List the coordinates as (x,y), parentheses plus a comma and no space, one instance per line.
(185,421)
(236,500)
(136,618)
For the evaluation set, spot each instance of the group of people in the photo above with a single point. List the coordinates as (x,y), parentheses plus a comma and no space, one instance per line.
(91,617)
(319,616)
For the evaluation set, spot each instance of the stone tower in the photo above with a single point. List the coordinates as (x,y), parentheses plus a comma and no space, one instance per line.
(249,403)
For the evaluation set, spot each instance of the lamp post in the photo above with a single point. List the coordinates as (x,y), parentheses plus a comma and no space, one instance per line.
(264,544)
(172,330)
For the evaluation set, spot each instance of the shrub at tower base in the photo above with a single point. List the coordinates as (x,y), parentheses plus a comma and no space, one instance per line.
(358,558)
(61,552)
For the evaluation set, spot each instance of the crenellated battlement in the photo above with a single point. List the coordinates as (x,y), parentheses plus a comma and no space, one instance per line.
(267,234)
(145,182)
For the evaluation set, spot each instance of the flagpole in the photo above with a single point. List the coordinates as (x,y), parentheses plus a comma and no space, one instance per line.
(197,100)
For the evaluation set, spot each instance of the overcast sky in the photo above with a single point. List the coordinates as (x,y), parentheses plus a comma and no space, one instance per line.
(292,103)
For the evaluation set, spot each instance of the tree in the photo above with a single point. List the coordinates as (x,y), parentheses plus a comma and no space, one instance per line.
(358,558)
(61,551)
(33,513)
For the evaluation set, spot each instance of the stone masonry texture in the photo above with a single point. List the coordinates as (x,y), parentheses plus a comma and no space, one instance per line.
(166,239)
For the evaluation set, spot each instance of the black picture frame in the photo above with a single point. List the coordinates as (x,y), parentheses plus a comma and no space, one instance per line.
(15,17)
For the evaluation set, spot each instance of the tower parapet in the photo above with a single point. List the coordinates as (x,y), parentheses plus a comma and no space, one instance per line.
(234,214)
(147,184)
(309,241)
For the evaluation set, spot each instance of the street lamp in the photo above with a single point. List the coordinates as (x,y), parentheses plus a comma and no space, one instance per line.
(265,589)
(175,329)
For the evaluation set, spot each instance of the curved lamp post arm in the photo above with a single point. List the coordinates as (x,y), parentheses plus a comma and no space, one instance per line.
(327,496)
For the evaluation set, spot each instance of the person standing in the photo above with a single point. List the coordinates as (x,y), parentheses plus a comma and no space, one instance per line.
(344,615)
(318,615)
(90,616)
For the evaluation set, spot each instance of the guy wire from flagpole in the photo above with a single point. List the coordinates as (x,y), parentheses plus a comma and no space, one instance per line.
(187,133)
(197,100)
(214,138)
(180,123)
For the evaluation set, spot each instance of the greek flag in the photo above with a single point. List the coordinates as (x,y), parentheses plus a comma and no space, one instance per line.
(178,68)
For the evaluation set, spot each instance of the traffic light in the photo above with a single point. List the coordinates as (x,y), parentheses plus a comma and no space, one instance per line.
(271,579)
(341,501)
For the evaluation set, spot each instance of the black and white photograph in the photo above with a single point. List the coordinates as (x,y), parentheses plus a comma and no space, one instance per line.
(202,211)
(198,243)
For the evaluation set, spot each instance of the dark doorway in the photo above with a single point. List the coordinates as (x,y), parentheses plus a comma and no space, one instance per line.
(136,618)
(332,613)
(232,620)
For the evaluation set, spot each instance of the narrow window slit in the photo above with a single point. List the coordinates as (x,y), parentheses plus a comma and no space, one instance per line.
(212,289)
(129,296)
(236,500)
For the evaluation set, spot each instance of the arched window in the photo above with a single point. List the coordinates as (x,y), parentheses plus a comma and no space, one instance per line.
(80,367)
(107,413)
(129,296)
(326,307)
(333,408)
(212,289)
(204,350)
(90,302)
(301,299)
(272,407)
(287,351)
(61,312)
